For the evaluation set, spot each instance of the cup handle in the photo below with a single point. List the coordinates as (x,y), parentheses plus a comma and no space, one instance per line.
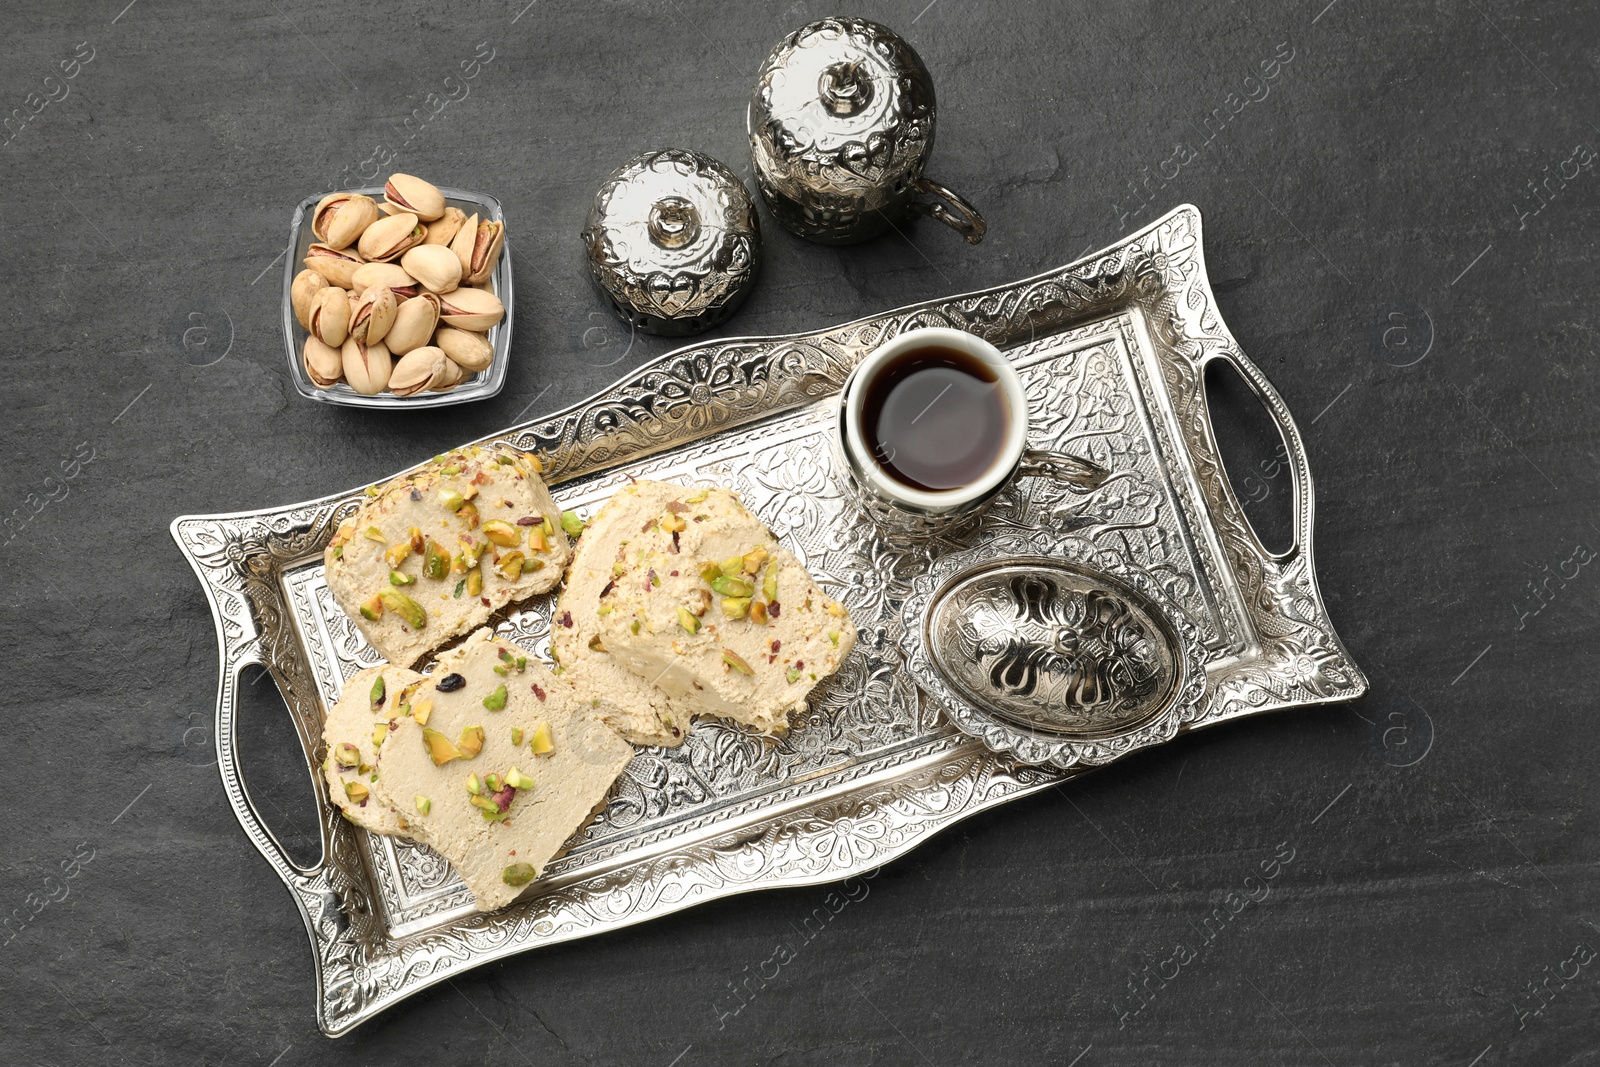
(964,219)
(1078,474)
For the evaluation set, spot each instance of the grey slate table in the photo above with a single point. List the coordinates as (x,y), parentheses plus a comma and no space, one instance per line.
(1400,229)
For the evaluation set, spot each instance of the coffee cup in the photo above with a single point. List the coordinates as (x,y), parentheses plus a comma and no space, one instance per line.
(933,424)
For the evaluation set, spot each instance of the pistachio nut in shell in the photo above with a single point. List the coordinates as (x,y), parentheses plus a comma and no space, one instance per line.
(389,238)
(486,245)
(385,276)
(445,227)
(417,370)
(330,316)
(422,199)
(451,374)
(368,368)
(338,265)
(435,266)
(464,241)
(472,350)
(414,322)
(306,284)
(343,217)
(373,315)
(322,214)
(324,364)
(470,309)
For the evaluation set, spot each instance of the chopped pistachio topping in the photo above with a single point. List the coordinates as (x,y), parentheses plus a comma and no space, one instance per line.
(518,874)
(421,710)
(516,736)
(496,701)
(502,533)
(424,805)
(517,780)
(451,499)
(356,791)
(734,660)
(440,750)
(400,578)
(734,587)
(435,561)
(405,607)
(571,523)
(375,534)
(542,743)
(376,695)
(687,620)
(471,741)
(347,755)
(473,785)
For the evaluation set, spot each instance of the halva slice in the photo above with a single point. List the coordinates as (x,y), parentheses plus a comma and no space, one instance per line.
(707,606)
(628,702)
(436,552)
(497,766)
(354,729)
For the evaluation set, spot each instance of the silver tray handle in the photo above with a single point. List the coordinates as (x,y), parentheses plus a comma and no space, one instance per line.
(1294,457)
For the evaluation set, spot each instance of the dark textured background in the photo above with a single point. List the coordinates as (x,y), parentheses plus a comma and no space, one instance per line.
(1375,246)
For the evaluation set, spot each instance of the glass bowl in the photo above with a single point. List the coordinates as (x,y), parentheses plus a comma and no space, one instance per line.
(477,386)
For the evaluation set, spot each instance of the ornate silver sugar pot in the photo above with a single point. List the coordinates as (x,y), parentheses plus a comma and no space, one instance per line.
(673,241)
(841,125)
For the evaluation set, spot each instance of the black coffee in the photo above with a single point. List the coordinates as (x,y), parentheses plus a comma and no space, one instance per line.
(935,418)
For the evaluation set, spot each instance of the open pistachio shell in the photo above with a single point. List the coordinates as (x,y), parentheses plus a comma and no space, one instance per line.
(472,350)
(340,218)
(445,227)
(389,238)
(367,368)
(323,362)
(414,323)
(422,199)
(373,315)
(470,309)
(464,241)
(338,265)
(329,318)
(306,284)
(385,276)
(485,253)
(417,370)
(451,374)
(435,266)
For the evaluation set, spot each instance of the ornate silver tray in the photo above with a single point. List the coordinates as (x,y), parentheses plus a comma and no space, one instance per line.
(1110,349)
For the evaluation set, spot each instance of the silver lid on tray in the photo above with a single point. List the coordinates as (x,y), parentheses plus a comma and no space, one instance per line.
(1052,652)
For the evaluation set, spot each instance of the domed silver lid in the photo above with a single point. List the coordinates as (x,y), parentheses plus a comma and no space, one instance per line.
(673,241)
(1052,651)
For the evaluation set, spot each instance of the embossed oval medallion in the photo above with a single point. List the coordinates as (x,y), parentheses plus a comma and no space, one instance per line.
(1053,646)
